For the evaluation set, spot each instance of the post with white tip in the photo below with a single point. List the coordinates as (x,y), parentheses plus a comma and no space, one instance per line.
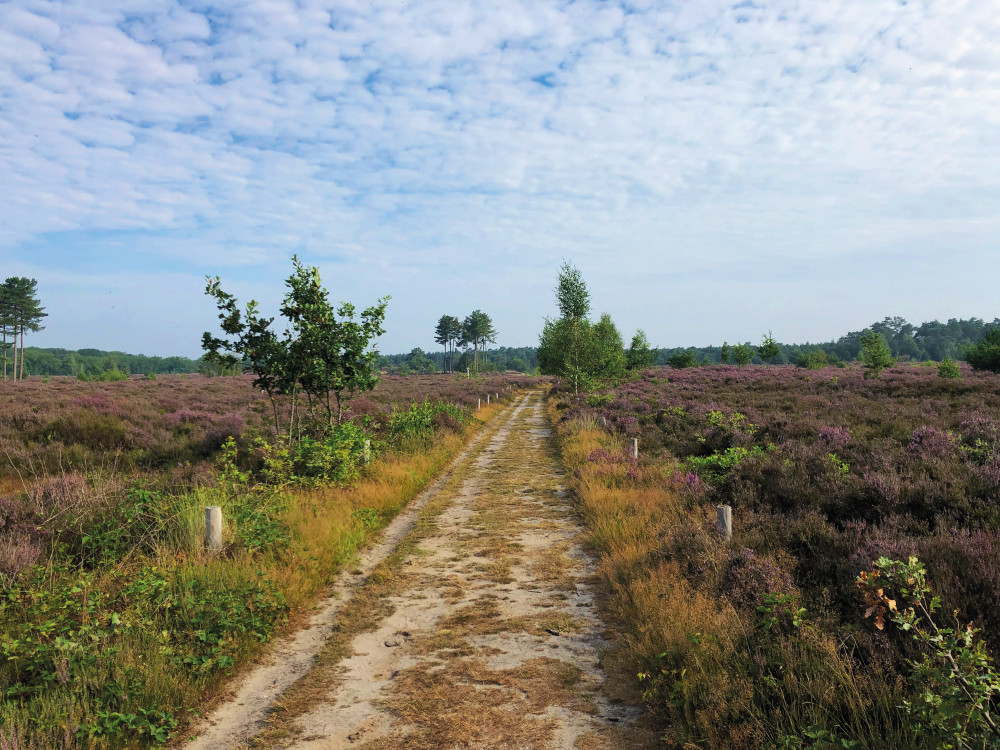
(213,529)
(479,404)
(633,450)
(724,521)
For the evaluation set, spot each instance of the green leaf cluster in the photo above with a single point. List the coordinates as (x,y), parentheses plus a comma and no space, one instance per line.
(325,355)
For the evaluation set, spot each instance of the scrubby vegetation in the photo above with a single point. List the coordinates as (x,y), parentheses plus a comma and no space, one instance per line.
(763,641)
(114,621)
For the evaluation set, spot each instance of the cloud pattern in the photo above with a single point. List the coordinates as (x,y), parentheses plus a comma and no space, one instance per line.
(457,151)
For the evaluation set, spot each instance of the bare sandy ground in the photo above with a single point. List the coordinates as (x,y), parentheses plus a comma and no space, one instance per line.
(478,632)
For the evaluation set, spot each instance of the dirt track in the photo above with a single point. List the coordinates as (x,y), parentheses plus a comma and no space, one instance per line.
(476,631)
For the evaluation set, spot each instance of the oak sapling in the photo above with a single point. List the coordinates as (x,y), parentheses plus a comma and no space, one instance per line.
(324,355)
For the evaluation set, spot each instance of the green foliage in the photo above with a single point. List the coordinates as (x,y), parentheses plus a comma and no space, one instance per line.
(204,620)
(419,419)
(814,360)
(323,350)
(779,611)
(842,467)
(640,354)
(477,329)
(724,353)
(715,466)
(985,355)
(743,355)
(572,294)
(816,738)
(60,635)
(956,682)
(768,348)
(683,360)
(134,525)
(448,333)
(875,354)
(599,399)
(20,312)
(949,370)
(567,348)
(610,349)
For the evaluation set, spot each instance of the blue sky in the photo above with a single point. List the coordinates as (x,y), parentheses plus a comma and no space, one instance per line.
(715,169)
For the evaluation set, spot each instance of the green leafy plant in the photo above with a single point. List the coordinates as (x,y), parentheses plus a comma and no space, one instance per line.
(956,683)
(717,465)
(875,354)
(985,354)
(949,370)
(768,348)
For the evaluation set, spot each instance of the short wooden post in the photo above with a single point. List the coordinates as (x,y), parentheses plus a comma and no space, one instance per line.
(479,404)
(604,421)
(497,395)
(467,373)
(724,521)
(487,399)
(633,450)
(213,528)
(368,451)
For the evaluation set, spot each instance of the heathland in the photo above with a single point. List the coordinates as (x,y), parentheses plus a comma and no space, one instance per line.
(116,625)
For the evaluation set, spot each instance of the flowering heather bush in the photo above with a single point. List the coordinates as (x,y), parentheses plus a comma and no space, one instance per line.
(749,576)
(908,464)
(68,425)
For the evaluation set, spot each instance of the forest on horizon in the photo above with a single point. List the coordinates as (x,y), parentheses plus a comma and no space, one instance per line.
(932,340)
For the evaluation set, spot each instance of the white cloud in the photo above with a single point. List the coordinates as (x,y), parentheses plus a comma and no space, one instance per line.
(688,136)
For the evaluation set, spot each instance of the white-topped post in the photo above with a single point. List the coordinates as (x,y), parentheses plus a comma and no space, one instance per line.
(724,521)
(213,529)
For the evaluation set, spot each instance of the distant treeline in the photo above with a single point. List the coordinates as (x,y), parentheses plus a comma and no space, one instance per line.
(929,341)
(88,362)
(520,358)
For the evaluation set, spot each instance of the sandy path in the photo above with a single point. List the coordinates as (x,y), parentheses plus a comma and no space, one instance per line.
(478,632)
(233,722)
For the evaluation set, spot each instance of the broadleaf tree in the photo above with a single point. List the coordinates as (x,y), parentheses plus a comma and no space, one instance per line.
(640,354)
(325,354)
(571,346)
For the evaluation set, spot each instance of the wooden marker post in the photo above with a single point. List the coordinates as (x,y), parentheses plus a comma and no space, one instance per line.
(479,404)
(487,399)
(213,529)
(724,521)
(368,452)
(633,450)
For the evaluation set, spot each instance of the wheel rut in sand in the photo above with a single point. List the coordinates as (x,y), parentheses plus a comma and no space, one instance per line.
(478,632)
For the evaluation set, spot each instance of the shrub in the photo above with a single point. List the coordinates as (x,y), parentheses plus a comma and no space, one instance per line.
(815,360)
(875,354)
(949,370)
(985,354)
(682,360)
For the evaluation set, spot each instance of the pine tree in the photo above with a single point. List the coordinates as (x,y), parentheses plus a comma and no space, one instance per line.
(20,311)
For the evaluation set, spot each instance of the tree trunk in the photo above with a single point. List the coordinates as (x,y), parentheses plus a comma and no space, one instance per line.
(21,376)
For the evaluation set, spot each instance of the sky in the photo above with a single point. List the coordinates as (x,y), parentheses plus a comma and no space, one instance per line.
(715,169)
